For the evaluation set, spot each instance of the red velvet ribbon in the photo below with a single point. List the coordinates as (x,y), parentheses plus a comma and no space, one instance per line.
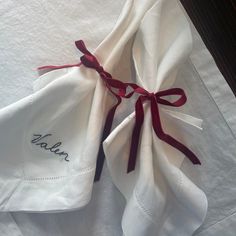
(155,99)
(119,90)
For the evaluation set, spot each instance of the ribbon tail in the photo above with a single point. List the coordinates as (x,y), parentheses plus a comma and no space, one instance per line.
(51,67)
(167,138)
(182,148)
(139,117)
(106,132)
(81,46)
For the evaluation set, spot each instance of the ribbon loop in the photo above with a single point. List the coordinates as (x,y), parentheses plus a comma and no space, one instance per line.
(174,91)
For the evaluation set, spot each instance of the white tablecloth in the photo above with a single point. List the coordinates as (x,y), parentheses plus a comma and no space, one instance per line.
(35,33)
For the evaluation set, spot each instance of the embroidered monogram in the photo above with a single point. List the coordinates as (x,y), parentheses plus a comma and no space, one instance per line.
(40,141)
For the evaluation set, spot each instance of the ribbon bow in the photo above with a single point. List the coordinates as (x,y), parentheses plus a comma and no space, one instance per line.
(90,61)
(155,99)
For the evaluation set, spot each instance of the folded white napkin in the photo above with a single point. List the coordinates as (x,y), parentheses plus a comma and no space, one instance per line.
(49,140)
(161,200)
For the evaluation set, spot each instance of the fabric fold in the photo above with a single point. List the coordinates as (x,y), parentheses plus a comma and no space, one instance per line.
(157,192)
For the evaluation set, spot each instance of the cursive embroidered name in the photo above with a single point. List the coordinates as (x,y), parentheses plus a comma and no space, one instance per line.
(39,140)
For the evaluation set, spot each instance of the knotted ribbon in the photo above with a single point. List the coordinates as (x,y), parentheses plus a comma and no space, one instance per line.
(119,90)
(155,99)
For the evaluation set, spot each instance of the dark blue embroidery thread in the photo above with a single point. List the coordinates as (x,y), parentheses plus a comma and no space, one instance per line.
(39,140)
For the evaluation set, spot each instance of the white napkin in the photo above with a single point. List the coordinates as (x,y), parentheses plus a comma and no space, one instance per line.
(50,139)
(161,200)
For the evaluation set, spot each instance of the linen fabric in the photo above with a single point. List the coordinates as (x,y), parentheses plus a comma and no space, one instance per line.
(207,95)
(66,110)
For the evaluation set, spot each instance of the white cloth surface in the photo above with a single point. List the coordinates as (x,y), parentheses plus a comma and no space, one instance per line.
(42,33)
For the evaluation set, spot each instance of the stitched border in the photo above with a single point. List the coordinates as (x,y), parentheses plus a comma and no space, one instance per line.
(85,171)
(218,222)
(146,212)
